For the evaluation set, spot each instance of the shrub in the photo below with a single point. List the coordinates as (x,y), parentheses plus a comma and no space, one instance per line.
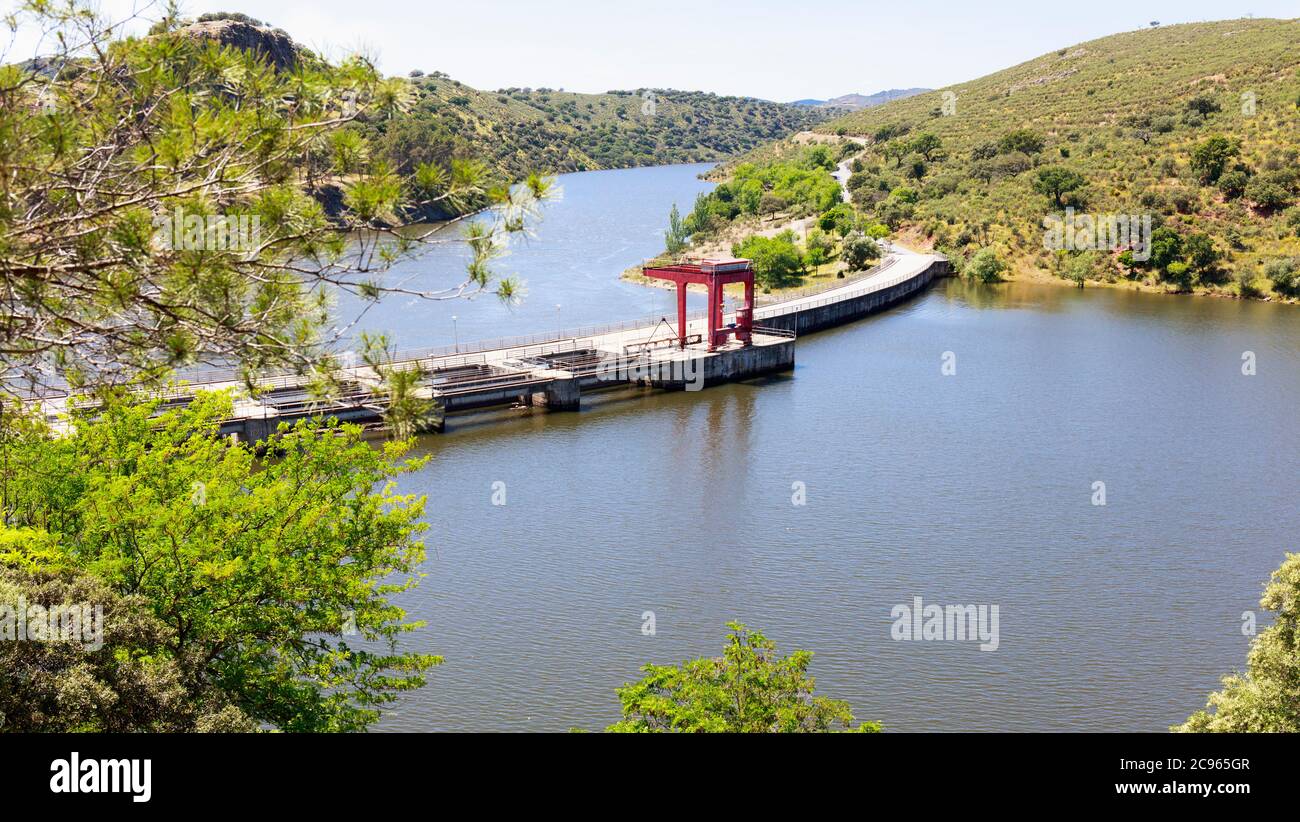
(985,266)
(1233,184)
(1284,273)
(1267,194)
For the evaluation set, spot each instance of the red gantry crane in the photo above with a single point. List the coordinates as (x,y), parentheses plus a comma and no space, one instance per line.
(714,274)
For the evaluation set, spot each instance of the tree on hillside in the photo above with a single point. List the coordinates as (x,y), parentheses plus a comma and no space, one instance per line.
(927,145)
(1268,194)
(1284,274)
(1166,248)
(1211,156)
(1266,698)
(749,689)
(160,206)
(1057,181)
(1022,140)
(1202,256)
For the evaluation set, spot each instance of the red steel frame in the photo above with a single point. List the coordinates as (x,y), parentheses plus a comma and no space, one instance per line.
(714,274)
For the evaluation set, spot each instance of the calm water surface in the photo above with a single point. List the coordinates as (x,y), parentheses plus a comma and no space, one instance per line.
(974,488)
(603,223)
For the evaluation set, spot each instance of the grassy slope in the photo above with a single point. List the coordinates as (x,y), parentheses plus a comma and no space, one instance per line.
(1077,98)
(554,131)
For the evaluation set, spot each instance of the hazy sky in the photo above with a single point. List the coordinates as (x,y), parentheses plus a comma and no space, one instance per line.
(774,50)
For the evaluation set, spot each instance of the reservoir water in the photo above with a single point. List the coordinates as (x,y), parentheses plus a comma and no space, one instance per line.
(971,488)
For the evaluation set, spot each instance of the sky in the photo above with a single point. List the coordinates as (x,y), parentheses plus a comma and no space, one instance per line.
(773,50)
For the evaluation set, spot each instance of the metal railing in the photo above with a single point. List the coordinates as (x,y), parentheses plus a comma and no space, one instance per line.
(781,309)
(787,296)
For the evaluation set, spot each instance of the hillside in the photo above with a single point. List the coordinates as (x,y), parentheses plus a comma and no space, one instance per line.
(854,102)
(517,130)
(1196,126)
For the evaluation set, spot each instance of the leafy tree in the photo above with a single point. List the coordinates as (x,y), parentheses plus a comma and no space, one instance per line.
(1179,274)
(1266,698)
(839,219)
(1268,194)
(1284,273)
(1022,140)
(927,145)
(1203,105)
(1057,181)
(1233,184)
(818,248)
(676,237)
(261,571)
(777,260)
(860,251)
(1201,254)
(1166,248)
(985,266)
(1211,156)
(122,681)
(749,689)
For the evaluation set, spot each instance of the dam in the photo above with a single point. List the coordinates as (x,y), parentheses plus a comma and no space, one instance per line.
(553,371)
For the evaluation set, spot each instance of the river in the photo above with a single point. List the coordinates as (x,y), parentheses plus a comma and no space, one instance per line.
(970,488)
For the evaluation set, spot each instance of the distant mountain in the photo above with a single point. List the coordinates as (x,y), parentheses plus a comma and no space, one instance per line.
(855,102)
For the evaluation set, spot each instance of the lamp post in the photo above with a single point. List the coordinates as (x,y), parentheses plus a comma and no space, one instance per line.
(455,337)
(558,331)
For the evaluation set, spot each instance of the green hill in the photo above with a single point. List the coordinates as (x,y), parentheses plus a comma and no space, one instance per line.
(1197,125)
(517,130)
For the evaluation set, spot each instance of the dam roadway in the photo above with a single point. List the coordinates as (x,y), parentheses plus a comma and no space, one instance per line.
(554,370)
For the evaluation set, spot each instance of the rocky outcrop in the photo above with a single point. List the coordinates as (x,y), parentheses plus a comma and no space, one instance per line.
(275,45)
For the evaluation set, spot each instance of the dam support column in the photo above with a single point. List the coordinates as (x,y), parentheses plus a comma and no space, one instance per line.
(560,394)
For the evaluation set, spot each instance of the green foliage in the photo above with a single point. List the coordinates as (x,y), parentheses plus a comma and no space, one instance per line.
(517,129)
(1233,184)
(259,570)
(985,266)
(1284,274)
(125,680)
(777,261)
(1269,194)
(1056,182)
(1166,248)
(1130,111)
(1022,140)
(818,248)
(1266,698)
(801,185)
(839,219)
(1210,157)
(675,239)
(749,689)
(927,145)
(115,247)
(860,251)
